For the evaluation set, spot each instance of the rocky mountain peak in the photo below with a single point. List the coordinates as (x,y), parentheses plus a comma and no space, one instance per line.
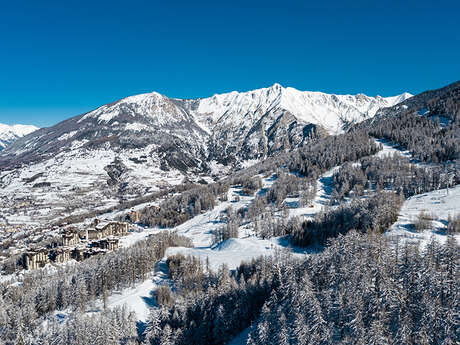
(228,127)
(8,134)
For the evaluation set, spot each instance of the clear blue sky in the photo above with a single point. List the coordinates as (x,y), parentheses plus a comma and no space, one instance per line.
(63,58)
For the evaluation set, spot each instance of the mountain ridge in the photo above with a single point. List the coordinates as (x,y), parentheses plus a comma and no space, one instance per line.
(147,143)
(10,133)
(228,127)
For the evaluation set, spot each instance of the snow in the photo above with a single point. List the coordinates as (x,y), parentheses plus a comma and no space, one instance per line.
(231,252)
(78,177)
(137,127)
(140,298)
(325,186)
(328,110)
(79,173)
(438,204)
(138,235)
(67,135)
(10,133)
(235,250)
(389,149)
(152,105)
(19,130)
(241,339)
(399,98)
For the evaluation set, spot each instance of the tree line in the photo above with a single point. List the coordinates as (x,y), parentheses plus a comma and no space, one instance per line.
(25,302)
(361,289)
(376,213)
(391,172)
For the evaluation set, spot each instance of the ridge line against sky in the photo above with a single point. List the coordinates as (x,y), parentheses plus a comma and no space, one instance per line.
(63,59)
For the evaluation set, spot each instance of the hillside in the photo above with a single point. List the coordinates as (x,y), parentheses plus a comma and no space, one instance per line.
(148,143)
(351,238)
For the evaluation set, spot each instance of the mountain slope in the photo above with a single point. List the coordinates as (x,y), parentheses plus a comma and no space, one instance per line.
(144,143)
(144,121)
(443,100)
(258,123)
(187,133)
(8,134)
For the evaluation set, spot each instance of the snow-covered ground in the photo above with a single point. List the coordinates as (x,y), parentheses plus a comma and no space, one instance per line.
(439,204)
(325,185)
(389,149)
(328,111)
(233,251)
(200,228)
(73,179)
(137,234)
(140,298)
(76,182)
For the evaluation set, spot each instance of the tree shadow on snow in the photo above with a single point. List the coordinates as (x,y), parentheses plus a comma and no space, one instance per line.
(328,187)
(141,327)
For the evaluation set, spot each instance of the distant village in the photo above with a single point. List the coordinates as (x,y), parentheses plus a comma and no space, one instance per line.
(79,244)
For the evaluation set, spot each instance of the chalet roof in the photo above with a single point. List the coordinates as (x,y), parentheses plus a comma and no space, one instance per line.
(69,230)
(36,251)
(102,225)
(62,250)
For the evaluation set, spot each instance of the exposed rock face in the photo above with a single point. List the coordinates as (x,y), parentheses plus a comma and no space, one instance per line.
(146,142)
(187,134)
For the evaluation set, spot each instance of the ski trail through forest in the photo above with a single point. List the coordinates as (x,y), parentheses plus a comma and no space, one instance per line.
(233,251)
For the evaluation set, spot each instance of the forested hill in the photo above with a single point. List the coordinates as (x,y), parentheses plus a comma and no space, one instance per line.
(351,239)
(447,96)
(427,125)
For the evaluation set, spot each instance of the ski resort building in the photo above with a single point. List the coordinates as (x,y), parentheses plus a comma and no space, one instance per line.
(78,253)
(78,245)
(36,258)
(103,230)
(135,216)
(61,255)
(110,243)
(70,237)
(83,253)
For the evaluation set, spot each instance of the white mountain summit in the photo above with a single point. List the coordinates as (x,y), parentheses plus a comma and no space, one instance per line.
(8,134)
(330,111)
(187,133)
(144,143)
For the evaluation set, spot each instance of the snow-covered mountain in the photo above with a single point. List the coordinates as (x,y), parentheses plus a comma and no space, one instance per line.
(8,134)
(225,128)
(257,123)
(147,142)
(330,111)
